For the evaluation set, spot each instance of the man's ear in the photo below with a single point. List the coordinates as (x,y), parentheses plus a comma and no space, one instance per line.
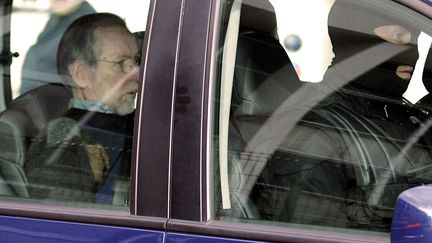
(80,73)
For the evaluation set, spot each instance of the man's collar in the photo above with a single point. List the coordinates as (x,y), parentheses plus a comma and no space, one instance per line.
(91,106)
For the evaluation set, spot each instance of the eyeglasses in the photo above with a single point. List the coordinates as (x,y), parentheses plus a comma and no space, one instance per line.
(126,64)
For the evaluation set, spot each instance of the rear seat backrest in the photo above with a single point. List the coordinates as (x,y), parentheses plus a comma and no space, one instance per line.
(24,118)
(260,85)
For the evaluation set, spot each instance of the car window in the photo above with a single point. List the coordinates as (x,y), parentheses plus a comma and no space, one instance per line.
(66,137)
(50,18)
(322,113)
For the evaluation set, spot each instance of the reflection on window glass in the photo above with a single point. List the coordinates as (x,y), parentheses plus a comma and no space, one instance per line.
(331,144)
(67,136)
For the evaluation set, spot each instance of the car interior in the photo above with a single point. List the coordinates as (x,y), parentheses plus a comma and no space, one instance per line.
(343,162)
(349,154)
(20,124)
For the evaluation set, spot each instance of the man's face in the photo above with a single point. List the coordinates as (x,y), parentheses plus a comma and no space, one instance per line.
(109,83)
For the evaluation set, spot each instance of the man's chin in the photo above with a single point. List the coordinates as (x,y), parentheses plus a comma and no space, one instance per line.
(125,109)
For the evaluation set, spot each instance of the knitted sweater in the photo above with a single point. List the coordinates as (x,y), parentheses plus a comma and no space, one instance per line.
(71,158)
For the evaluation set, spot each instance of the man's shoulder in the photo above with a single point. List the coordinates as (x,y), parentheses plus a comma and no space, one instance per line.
(62,129)
(59,133)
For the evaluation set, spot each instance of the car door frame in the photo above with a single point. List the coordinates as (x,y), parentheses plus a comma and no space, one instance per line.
(192,139)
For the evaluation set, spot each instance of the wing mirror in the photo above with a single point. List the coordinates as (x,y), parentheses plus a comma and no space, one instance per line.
(412,216)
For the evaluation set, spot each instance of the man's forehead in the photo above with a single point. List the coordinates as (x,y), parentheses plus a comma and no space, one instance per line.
(114,40)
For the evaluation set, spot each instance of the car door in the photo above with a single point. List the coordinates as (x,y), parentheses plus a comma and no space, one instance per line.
(140,217)
(275,152)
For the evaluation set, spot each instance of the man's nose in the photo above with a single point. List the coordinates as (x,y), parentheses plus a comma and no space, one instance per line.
(134,73)
(131,76)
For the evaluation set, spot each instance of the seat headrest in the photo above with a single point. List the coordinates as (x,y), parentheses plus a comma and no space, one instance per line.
(43,104)
(264,76)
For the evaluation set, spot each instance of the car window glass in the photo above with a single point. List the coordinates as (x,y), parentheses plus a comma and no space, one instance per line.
(325,118)
(66,137)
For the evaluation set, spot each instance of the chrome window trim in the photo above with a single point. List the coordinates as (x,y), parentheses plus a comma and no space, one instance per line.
(212,67)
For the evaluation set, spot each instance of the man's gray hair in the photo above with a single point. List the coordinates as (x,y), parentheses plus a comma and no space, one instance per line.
(78,41)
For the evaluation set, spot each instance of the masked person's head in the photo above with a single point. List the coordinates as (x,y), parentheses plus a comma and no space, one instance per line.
(97,58)
(302,28)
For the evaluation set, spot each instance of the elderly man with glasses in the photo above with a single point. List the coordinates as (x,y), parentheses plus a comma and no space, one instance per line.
(85,155)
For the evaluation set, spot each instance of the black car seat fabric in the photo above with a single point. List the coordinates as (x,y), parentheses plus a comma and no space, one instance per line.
(19,125)
(261,64)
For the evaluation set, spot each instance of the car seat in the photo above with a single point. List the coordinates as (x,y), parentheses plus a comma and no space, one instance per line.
(23,119)
(261,64)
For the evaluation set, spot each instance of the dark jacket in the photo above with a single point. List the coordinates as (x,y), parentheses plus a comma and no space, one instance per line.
(73,157)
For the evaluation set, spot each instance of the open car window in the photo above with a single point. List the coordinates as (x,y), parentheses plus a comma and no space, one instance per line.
(328,137)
